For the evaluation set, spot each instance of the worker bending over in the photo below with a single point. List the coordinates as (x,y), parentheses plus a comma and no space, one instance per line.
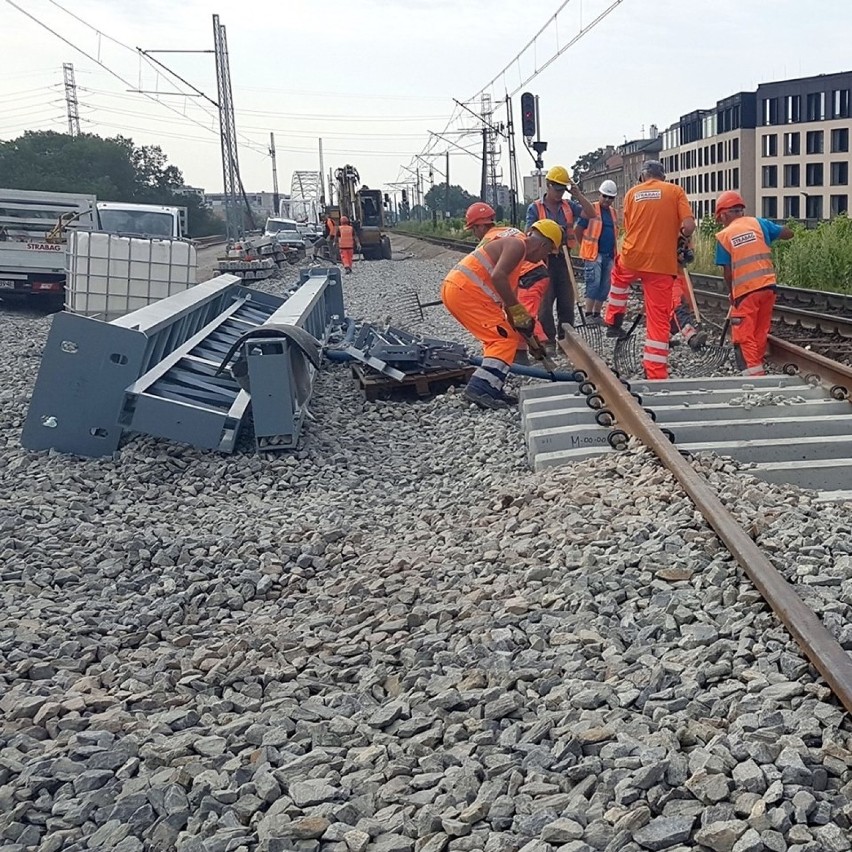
(347,242)
(552,206)
(657,216)
(742,250)
(597,237)
(533,279)
(480,291)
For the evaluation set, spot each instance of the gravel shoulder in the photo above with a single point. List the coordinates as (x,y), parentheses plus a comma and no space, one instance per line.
(399,638)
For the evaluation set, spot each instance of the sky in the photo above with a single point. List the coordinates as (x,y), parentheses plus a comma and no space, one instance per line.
(373,78)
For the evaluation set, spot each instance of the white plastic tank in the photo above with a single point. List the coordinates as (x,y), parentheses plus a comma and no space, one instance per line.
(109,275)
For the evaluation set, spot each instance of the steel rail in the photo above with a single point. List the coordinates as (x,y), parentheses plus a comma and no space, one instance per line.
(820,647)
(829,372)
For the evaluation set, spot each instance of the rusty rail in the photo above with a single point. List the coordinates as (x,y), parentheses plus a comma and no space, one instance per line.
(820,647)
(828,371)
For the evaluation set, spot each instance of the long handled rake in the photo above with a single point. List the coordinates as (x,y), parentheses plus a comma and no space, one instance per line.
(589,331)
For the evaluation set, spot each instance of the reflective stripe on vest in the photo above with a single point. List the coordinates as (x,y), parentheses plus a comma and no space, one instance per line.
(751,260)
(477,260)
(497,233)
(541,212)
(347,237)
(589,246)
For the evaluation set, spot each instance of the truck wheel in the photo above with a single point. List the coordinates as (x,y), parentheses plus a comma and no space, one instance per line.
(387,252)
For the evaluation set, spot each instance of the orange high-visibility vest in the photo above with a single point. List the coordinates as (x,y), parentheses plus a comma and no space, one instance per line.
(589,246)
(541,212)
(498,232)
(477,268)
(346,239)
(751,260)
(332,228)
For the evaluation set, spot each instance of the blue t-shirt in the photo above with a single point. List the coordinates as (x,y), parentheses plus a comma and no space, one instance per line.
(606,241)
(559,218)
(770,230)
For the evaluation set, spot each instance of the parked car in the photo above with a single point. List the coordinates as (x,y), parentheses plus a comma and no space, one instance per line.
(285,231)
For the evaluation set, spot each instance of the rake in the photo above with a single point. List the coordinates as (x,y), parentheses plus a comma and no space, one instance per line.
(710,358)
(627,354)
(589,331)
(411,308)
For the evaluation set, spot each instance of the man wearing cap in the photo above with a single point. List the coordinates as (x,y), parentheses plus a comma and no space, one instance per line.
(553,206)
(743,252)
(657,216)
(597,237)
(480,291)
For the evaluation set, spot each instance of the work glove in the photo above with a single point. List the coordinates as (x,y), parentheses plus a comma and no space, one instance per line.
(520,319)
(685,254)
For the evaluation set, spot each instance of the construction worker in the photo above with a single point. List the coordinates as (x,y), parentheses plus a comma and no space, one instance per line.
(657,216)
(597,238)
(481,293)
(329,233)
(347,242)
(742,250)
(553,206)
(533,278)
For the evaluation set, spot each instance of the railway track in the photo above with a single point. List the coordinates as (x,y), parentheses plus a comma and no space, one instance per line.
(819,645)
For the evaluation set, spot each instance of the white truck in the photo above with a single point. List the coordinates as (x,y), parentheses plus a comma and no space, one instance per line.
(33,232)
(142,220)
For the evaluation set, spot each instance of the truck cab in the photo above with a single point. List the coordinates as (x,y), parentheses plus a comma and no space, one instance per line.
(142,220)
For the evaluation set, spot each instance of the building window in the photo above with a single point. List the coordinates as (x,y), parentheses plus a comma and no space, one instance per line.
(840,140)
(792,108)
(839,204)
(813,207)
(770,207)
(814,142)
(712,181)
(770,176)
(813,175)
(840,103)
(840,174)
(770,110)
(713,155)
(792,144)
(700,158)
(770,144)
(791,206)
(791,175)
(720,156)
(815,106)
(735,178)
(735,149)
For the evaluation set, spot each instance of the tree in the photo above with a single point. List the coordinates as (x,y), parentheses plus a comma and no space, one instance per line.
(460,199)
(584,163)
(110,169)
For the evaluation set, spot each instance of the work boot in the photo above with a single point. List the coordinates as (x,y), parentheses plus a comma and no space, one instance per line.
(508,398)
(484,395)
(522,357)
(550,349)
(615,329)
(697,341)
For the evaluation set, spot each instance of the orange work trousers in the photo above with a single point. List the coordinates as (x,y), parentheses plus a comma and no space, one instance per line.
(482,315)
(750,322)
(657,294)
(530,298)
(346,257)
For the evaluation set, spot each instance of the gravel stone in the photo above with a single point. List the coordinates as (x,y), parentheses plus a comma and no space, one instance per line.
(398,627)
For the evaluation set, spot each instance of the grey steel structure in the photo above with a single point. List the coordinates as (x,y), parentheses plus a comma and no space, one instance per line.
(227,133)
(71,104)
(154,371)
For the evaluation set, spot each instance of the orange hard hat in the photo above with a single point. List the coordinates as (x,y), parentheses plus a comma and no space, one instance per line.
(344,220)
(726,200)
(479,213)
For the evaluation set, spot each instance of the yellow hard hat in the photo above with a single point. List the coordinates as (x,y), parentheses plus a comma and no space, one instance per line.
(549,229)
(558,174)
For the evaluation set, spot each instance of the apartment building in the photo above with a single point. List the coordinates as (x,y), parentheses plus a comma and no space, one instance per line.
(803,148)
(784,147)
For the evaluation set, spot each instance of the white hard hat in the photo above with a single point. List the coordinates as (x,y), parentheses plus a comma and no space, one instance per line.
(608,187)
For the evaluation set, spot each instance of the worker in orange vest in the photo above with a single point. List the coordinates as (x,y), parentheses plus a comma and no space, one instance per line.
(329,232)
(553,206)
(347,242)
(743,252)
(598,237)
(656,215)
(481,293)
(533,279)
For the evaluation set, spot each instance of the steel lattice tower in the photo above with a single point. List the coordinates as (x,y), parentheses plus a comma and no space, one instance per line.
(227,134)
(305,194)
(71,104)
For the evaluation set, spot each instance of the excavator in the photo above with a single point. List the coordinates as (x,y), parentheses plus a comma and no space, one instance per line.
(365,211)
